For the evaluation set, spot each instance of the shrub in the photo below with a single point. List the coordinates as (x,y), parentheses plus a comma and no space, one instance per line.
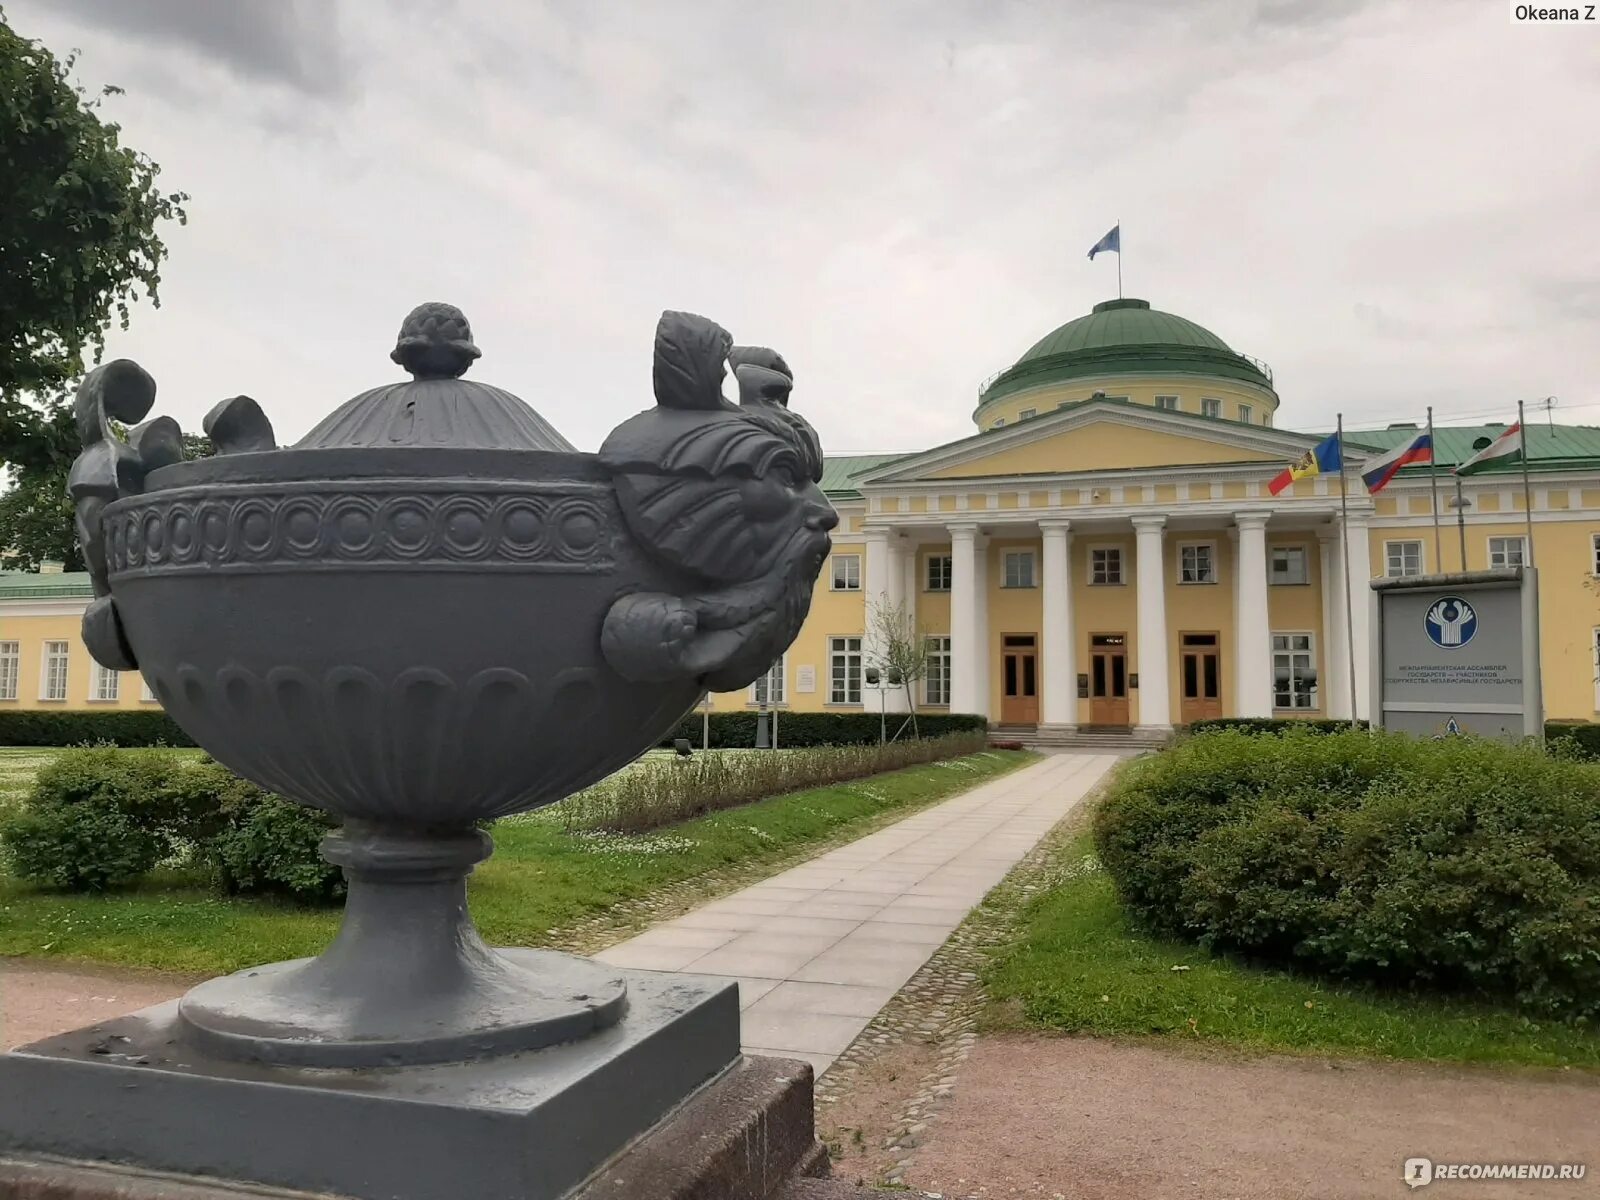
(737,730)
(1576,739)
(85,847)
(1458,864)
(659,792)
(1272,725)
(274,845)
(134,727)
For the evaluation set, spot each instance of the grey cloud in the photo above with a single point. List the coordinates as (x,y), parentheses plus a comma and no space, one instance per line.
(290,42)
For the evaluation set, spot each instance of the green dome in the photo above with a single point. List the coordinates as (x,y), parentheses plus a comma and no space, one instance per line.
(1123,323)
(1125,337)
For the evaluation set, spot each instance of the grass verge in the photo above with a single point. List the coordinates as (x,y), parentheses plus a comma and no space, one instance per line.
(542,880)
(1073,962)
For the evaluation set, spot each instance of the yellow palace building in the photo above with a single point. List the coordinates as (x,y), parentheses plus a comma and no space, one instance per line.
(1103,552)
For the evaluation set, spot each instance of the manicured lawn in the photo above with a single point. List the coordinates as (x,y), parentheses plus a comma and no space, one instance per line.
(541,879)
(1076,965)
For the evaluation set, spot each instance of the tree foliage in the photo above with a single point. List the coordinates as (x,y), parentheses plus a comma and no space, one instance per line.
(901,651)
(78,247)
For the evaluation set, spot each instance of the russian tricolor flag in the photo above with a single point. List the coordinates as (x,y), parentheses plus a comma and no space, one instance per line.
(1419,450)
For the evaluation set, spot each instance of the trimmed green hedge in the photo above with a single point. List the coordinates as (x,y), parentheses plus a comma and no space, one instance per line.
(116,727)
(1461,864)
(1273,725)
(1580,739)
(737,730)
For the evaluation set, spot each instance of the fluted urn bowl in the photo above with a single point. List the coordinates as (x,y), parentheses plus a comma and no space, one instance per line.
(429,612)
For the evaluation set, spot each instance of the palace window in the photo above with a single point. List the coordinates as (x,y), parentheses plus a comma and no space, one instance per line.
(939,572)
(53,672)
(1019,569)
(847,572)
(999,422)
(1293,671)
(1594,541)
(1210,407)
(145,693)
(844,670)
(1507,552)
(1027,414)
(769,688)
(1245,412)
(936,683)
(1287,565)
(105,685)
(10,662)
(1402,558)
(1105,564)
(1597,670)
(1170,403)
(1197,562)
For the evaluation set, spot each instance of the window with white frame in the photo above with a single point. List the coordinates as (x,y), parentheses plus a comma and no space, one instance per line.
(1245,413)
(1287,565)
(1210,407)
(105,684)
(1294,667)
(1105,564)
(999,421)
(10,664)
(1402,558)
(1197,562)
(847,572)
(1170,403)
(1018,569)
(769,688)
(1596,670)
(145,693)
(1507,552)
(1594,541)
(53,672)
(1027,413)
(936,683)
(844,670)
(1266,417)
(940,569)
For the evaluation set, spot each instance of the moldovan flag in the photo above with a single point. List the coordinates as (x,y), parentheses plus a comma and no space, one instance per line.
(1504,448)
(1381,470)
(1324,459)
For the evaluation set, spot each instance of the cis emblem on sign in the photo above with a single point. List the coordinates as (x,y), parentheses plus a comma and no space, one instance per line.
(1451,623)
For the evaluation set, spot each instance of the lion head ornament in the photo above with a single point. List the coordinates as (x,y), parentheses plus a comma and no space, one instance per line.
(727,495)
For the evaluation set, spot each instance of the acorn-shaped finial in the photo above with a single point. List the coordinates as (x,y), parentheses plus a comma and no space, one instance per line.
(435,342)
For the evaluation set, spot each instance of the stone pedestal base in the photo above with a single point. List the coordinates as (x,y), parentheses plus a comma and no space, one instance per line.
(531,1126)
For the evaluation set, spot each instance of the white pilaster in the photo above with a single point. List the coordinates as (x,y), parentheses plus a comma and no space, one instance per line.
(1059,705)
(1334,685)
(894,595)
(1358,562)
(1155,700)
(981,639)
(874,592)
(1252,627)
(963,616)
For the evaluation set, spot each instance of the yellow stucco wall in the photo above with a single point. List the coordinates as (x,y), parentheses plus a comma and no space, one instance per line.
(31,633)
(1101,447)
(1141,389)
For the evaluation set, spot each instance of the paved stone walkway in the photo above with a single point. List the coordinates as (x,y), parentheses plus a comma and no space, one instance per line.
(820,948)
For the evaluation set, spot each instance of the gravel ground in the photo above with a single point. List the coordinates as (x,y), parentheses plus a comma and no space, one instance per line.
(37,1000)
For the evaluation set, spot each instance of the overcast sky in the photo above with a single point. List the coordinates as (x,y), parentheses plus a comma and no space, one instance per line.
(1394,204)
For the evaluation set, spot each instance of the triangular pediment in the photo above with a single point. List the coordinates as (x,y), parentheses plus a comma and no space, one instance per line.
(1098,435)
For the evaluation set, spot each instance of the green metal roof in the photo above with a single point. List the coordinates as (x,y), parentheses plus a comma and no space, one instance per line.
(839,471)
(1550,447)
(1121,336)
(27,585)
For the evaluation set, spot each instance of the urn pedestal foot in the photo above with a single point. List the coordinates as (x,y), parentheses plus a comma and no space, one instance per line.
(408,981)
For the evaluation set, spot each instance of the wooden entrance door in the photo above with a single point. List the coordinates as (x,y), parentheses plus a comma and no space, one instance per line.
(1202,677)
(1108,679)
(1019,688)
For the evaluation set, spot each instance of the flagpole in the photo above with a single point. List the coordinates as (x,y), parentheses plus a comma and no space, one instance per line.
(1461,520)
(1527,492)
(1119,258)
(1349,582)
(1433,482)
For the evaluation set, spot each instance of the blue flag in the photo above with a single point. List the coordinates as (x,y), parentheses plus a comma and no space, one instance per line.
(1111,241)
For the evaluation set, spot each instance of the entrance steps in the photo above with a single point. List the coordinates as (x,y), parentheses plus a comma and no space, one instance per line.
(1101,740)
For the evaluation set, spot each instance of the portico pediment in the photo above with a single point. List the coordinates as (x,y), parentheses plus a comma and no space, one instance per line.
(1098,435)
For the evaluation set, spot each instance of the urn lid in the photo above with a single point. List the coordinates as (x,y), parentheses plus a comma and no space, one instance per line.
(436,407)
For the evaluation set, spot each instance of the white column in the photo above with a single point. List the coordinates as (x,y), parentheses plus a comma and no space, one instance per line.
(1358,563)
(1155,703)
(963,617)
(874,593)
(894,599)
(1334,684)
(1252,627)
(981,638)
(1059,705)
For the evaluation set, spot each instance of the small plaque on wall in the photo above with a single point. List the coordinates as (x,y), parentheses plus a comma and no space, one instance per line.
(805,679)
(1083,687)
